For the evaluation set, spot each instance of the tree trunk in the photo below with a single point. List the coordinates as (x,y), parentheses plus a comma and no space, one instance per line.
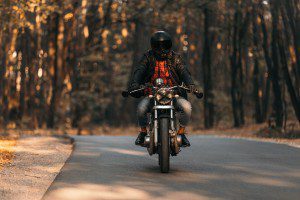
(256,89)
(207,76)
(278,105)
(73,55)
(237,77)
(241,38)
(267,55)
(52,107)
(234,87)
(4,87)
(36,61)
(256,84)
(2,63)
(294,99)
(292,11)
(25,53)
(240,93)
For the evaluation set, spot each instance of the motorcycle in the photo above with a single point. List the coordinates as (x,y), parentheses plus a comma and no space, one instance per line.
(162,137)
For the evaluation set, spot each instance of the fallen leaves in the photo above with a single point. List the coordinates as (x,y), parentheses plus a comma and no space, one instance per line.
(6,150)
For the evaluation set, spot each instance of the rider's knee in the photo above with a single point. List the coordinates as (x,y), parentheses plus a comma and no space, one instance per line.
(143,107)
(185,106)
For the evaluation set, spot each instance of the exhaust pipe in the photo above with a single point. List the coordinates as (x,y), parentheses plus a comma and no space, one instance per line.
(146,141)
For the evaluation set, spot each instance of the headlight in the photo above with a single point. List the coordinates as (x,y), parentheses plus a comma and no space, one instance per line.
(159,82)
(158,97)
(164,96)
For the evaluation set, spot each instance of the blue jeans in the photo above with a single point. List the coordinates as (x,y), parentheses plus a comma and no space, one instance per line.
(183,110)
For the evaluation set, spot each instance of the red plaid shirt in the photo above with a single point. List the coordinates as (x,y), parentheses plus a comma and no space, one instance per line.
(161,70)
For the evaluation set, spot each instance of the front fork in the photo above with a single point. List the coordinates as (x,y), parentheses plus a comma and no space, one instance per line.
(172,119)
(172,124)
(155,125)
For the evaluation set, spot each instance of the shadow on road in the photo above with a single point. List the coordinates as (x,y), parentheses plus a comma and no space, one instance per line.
(113,168)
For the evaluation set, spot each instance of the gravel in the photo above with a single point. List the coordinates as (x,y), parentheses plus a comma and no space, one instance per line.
(37,162)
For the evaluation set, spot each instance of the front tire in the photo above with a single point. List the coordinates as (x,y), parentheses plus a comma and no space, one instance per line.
(164,145)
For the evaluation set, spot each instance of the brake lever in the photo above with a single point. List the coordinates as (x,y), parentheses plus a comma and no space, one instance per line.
(185,88)
(125,94)
(199,94)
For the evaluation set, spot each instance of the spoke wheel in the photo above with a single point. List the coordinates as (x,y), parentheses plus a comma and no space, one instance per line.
(164,145)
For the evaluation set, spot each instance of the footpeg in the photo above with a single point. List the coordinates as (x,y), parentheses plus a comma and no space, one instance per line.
(146,141)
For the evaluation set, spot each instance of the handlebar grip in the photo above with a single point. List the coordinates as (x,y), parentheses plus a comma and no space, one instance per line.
(125,94)
(198,94)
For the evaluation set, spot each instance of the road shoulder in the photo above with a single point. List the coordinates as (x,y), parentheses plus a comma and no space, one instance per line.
(293,142)
(37,162)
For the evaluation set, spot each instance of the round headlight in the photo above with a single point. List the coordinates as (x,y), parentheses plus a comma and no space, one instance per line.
(164,96)
(159,82)
(158,97)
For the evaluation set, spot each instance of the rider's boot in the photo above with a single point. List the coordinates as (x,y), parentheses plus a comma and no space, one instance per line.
(185,141)
(141,137)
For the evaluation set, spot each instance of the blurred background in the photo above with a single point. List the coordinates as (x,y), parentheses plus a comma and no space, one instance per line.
(64,63)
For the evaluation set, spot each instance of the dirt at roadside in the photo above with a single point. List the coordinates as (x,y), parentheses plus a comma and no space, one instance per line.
(36,163)
(7,145)
(248,132)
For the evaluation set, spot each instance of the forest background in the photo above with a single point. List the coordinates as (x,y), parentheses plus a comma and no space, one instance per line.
(63,64)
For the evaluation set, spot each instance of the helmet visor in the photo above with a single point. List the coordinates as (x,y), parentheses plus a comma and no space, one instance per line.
(161,45)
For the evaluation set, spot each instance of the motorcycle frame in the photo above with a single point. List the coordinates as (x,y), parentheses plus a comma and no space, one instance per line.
(156,108)
(151,141)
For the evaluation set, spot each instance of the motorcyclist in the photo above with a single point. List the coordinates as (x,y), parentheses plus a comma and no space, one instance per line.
(162,62)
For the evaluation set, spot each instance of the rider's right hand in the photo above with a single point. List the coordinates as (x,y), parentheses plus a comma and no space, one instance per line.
(133,86)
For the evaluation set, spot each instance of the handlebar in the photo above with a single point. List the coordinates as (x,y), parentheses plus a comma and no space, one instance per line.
(126,93)
(197,93)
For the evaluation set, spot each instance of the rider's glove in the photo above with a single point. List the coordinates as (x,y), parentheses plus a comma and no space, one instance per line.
(134,86)
(192,88)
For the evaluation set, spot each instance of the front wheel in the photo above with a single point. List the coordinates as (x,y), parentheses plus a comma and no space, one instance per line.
(164,145)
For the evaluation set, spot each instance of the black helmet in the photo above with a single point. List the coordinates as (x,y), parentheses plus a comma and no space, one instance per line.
(161,41)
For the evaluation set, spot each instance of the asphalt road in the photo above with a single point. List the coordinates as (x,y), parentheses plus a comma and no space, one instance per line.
(103,167)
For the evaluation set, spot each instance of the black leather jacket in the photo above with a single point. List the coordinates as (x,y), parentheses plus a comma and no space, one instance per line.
(145,69)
